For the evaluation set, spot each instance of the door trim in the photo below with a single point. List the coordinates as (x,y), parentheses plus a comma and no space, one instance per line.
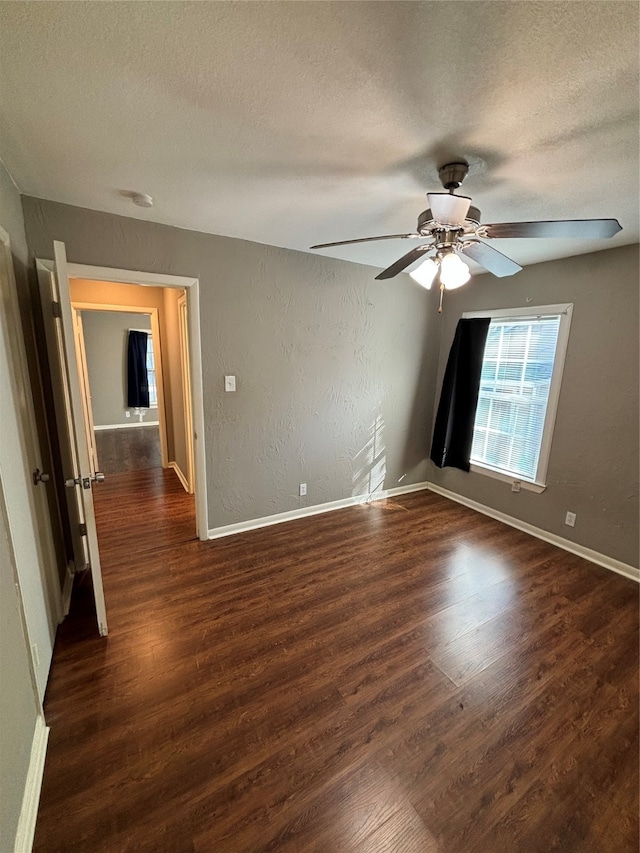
(192,287)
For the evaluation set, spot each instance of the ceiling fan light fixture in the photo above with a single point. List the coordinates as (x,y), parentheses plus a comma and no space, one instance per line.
(425,273)
(453,271)
(447,209)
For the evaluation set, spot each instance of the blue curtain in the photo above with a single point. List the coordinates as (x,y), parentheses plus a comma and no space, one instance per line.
(453,431)
(137,377)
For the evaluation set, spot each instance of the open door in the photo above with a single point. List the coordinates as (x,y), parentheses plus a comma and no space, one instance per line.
(67,393)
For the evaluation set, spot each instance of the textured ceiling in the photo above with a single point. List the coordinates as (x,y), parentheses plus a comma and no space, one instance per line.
(297,123)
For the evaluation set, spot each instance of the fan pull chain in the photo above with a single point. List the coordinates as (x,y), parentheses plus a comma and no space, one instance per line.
(441,295)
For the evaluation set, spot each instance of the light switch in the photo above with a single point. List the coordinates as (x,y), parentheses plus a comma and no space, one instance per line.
(229,383)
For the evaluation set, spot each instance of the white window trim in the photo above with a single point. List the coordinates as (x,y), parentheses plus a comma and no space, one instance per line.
(539,483)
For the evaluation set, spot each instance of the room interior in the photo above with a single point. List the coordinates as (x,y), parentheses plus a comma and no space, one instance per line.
(268,128)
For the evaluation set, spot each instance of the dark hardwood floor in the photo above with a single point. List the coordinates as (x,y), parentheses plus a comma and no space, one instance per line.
(403,676)
(131,449)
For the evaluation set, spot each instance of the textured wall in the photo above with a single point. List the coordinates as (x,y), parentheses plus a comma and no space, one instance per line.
(335,370)
(593,467)
(105,340)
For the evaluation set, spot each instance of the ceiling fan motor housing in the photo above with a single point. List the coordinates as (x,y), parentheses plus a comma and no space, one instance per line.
(428,226)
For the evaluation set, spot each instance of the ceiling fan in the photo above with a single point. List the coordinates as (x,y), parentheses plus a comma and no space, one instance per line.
(453,228)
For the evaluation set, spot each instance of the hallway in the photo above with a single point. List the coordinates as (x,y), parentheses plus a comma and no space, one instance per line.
(132,449)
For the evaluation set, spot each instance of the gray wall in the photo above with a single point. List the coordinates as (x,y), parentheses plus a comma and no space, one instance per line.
(18,703)
(333,367)
(593,467)
(105,341)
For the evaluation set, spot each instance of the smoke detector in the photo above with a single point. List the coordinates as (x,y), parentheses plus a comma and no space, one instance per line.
(142,199)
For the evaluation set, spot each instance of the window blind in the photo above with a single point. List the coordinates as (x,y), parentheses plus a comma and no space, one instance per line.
(151,374)
(514,391)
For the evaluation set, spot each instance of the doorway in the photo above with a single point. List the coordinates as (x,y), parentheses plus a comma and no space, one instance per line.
(170,305)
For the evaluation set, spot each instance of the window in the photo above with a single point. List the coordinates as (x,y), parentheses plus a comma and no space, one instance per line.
(151,374)
(519,389)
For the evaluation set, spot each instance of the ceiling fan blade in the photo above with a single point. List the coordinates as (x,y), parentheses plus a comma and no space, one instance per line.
(589,229)
(491,259)
(404,262)
(367,240)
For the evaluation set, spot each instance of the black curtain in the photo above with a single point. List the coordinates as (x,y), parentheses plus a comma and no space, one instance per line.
(453,432)
(137,378)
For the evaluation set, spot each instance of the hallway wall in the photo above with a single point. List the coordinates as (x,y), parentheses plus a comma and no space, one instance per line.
(105,343)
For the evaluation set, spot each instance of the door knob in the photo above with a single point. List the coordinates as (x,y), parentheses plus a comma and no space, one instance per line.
(85,482)
(39,477)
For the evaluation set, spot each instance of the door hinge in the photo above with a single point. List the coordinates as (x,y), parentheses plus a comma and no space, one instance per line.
(83,529)
(57,310)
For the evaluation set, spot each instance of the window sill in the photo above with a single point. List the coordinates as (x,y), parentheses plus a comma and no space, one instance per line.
(526,485)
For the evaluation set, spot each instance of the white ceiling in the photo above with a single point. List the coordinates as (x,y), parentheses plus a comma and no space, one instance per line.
(304,122)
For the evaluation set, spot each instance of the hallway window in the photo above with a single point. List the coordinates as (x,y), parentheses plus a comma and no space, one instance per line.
(151,373)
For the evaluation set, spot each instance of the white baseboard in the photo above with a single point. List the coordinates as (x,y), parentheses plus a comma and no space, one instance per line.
(305,512)
(181,477)
(318,509)
(126,426)
(31,798)
(573,547)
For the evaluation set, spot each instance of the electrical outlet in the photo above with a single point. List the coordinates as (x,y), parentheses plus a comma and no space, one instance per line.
(570,519)
(303,489)
(36,656)
(127,414)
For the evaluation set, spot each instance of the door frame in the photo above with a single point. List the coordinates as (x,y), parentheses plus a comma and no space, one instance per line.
(183,329)
(192,288)
(78,307)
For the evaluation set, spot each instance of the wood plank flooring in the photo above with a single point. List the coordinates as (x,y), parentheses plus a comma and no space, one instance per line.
(403,676)
(131,449)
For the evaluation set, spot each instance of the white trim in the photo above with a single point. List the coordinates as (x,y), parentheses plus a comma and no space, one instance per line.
(531,312)
(118,276)
(66,591)
(181,477)
(318,509)
(183,330)
(566,544)
(127,426)
(33,785)
(477,468)
(192,286)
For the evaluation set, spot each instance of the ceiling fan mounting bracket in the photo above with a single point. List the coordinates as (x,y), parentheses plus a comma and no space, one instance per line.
(452,175)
